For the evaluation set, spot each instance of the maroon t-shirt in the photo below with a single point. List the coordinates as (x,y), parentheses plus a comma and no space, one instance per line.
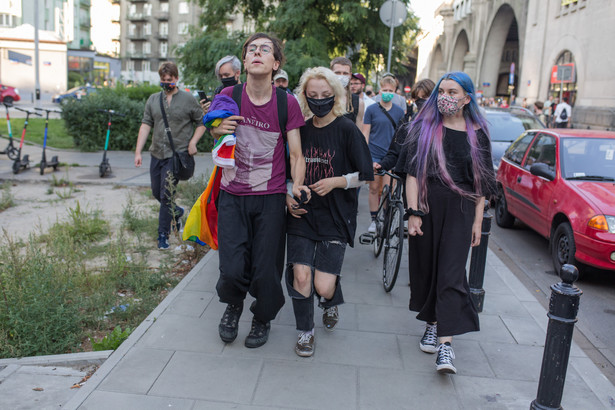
(259,152)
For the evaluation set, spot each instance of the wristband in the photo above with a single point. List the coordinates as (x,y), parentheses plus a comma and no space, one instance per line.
(413,212)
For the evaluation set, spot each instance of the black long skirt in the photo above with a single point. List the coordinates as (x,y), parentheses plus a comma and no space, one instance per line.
(438,283)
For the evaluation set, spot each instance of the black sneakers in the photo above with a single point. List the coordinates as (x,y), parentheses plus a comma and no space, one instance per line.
(259,334)
(229,322)
(429,341)
(444,361)
(330,317)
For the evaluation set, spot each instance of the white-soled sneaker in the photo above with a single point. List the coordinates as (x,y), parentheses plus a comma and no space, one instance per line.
(372,227)
(444,361)
(429,341)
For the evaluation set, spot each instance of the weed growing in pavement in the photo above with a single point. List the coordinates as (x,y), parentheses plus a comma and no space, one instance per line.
(138,223)
(6,199)
(61,182)
(83,226)
(112,340)
(191,190)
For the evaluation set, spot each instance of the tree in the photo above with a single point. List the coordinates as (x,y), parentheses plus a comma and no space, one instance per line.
(313,32)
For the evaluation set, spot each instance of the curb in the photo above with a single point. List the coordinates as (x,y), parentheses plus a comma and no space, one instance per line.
(134,337)
(63,360)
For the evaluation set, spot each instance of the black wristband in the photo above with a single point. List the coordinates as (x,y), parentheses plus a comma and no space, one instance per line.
(413,212)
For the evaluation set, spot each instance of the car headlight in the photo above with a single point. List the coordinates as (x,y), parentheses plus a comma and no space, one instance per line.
(604,223)
(16,91)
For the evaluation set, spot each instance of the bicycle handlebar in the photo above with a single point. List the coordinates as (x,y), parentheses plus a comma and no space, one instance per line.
(29,112)
(383,172)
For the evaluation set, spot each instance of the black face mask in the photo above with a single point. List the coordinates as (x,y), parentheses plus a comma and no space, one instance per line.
(320,107)
(167,86)
(229,81)
(419,103)
(359,93)
(282,88)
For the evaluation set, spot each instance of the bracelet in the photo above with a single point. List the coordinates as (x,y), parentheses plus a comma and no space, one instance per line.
(413,212)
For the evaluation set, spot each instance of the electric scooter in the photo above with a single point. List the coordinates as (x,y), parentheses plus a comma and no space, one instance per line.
(10,150)
(54,160)
(105,168)
(24,162)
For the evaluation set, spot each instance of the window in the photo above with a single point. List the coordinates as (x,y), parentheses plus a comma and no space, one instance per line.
(164,7)
(130,65)
(163,29)
(182,28)
(145,66)
(147,29)
(164,48)
(542,151)
(131,48)
(183,7)
(132,10)
(517,149)
(147,47)
(147,9)
(132,29)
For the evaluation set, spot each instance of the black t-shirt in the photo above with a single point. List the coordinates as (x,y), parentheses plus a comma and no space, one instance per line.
(332,151)
(458,160)
(352,115)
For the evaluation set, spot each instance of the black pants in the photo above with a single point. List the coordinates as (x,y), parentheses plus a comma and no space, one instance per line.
(159,169)
(251,241)
(438,284)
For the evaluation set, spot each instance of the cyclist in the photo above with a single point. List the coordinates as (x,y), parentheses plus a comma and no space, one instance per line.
(449,174)
(337,161)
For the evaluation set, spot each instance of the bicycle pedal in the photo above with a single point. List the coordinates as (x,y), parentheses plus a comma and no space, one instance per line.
(366,238)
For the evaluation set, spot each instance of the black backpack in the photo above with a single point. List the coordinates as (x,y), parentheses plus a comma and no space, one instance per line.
(564,114)
(282,101)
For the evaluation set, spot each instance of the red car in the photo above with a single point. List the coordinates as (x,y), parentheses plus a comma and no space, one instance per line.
(561,183)
(8,94)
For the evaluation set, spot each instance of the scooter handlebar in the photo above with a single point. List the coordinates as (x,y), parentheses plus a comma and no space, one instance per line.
(28,111)
(112,112)
(48,110)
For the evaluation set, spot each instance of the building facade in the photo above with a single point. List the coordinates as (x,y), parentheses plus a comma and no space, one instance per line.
(150,33)
(518,46)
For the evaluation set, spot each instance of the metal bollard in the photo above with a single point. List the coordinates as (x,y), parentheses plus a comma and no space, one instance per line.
(478,261)
(563,309)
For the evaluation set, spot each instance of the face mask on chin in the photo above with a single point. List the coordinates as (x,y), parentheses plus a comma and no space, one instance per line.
(344,79)
(167,86)
(229,81)
(320,107)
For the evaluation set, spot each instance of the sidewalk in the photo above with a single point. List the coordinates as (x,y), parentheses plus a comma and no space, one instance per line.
(371,361)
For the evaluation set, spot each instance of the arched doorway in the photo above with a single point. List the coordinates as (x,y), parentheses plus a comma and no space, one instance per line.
(501,50)
(567,86)
(436,70)
(462,46)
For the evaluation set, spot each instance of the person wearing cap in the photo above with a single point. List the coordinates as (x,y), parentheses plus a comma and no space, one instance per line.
(357,84)
(280,80)
(397,99)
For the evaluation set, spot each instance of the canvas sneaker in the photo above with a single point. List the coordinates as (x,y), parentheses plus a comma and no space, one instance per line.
(444,361)
(229,322)
(429,341)
(259,334)
(372,227)
(163,241)
(330,317)
(179,212)
(305,344)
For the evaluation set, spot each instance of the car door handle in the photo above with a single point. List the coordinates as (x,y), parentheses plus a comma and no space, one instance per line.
(518,179)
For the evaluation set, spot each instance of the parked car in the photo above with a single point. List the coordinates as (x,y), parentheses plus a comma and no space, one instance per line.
(8,94)
(76,92)
(505,126)
(561,183)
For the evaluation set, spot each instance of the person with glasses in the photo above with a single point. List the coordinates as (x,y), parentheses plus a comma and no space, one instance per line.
(337,162)
(252,199)
(449,173)
(357,84)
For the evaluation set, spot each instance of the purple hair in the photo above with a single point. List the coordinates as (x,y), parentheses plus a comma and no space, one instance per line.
(426,132)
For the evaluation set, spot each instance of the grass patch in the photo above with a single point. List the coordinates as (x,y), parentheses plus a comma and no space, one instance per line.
(188,192)
(6,197)
(57,136)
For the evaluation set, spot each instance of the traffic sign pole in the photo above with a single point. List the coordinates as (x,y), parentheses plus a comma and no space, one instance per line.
(390,39)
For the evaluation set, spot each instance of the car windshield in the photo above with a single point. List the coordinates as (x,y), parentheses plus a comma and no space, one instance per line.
(72,90)
(508,127)
(588,158)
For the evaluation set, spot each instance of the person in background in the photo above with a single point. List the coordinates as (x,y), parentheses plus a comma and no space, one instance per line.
(185,121)
(357,84)
(562,114)
(369,91)
(355,108)
(228,70)
(381,121)
(337,161)
(280,80)
(397,99)
(449,175)
(538,111)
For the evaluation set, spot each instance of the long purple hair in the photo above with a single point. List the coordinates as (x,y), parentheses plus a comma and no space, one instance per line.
(426,132)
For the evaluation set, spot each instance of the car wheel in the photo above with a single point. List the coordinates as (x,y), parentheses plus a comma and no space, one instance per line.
(563,247)
(8,100)
(502,217)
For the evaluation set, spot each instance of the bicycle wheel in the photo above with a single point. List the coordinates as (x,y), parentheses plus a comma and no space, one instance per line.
(380,220)
(393,247)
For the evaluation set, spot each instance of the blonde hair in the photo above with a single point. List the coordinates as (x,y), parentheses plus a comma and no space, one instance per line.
(320,73)
(388,80)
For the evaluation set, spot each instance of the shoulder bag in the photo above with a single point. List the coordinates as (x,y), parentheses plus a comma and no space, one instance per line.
(183,162)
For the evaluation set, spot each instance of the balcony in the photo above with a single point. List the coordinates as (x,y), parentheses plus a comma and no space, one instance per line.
(138,1)
(162,36)
(85,25)
(115,1)
(162,15)
(138,36)
(138,55)
(137,17)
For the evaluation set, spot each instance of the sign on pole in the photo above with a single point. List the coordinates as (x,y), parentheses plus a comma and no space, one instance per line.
(511,77)
(392,13)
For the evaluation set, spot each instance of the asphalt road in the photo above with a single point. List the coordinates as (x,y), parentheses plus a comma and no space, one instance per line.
(527,254)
